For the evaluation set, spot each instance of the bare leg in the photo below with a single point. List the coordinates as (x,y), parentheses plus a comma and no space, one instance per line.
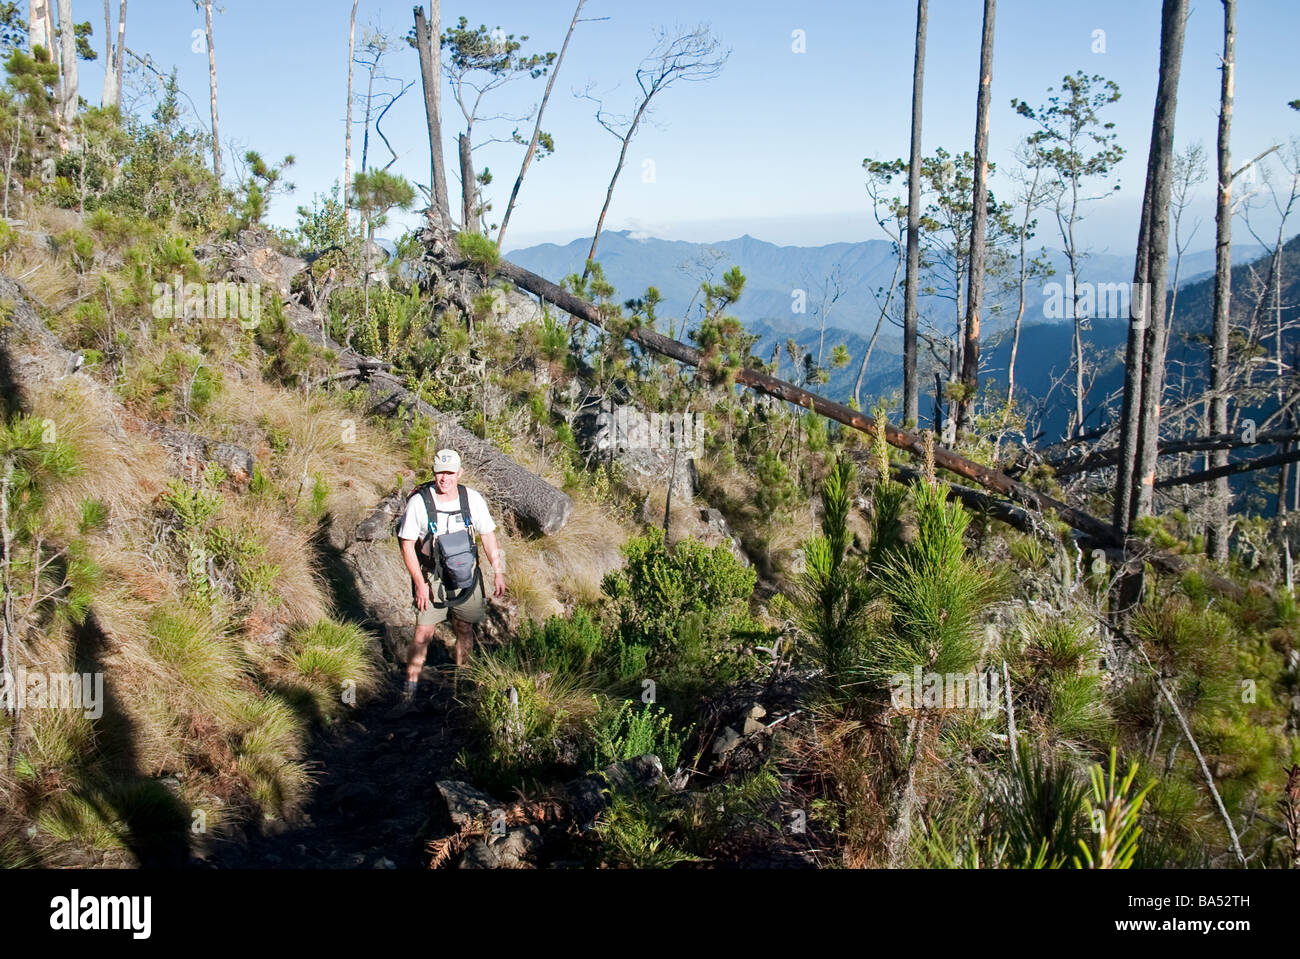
(464,641)
(419,650)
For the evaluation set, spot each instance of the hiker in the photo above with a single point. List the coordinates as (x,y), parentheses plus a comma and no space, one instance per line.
(446,576)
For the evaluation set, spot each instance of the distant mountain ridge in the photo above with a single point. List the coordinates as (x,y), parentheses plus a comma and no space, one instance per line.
(773,274)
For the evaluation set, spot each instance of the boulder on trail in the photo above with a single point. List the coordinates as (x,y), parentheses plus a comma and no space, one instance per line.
(456,803)
(513,850)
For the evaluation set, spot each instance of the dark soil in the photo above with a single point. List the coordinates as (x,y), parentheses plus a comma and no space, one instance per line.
(371,800)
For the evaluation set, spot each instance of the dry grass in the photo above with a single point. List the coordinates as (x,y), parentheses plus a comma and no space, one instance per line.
(300,587)
(683,518)
(120,471)
(357,462)
(46,276)
(846,760)
(548,573)
(771,543)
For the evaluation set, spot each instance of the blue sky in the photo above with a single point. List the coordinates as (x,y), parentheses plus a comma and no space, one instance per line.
(773,147)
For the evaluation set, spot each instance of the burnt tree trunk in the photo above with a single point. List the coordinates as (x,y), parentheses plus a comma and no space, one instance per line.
(1173,23)
(911,410)
(979,225)
(428,44)
(468,206)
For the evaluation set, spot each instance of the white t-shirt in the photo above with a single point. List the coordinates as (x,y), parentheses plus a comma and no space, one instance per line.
(416,521)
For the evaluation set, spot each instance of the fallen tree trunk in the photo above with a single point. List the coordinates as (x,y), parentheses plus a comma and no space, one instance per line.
(1014,516)
(781,390)
(1067,466)
(1102,533)
(535,503)
(1232,469)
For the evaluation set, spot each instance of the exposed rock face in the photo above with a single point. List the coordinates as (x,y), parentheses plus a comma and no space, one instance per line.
(654,450)
(512,309)
(252,259)
(716,531)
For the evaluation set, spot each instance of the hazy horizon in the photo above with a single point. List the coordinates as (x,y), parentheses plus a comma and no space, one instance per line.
(773,147)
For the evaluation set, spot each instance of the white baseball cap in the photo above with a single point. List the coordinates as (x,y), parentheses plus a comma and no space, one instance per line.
(446,461)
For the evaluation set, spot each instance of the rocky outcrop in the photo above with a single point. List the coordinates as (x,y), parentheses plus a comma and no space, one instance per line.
(490,840)
(252,258)
(717,531)
(653,450)
(190,453)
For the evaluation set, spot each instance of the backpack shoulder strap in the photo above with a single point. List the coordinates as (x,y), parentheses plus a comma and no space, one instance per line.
(430,510)
(463,493)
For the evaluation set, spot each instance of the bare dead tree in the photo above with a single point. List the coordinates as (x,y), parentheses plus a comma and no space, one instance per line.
(206,6)
(375,45)
(911,410)
(68,60)
(1189,172)
(691,57)
(537,127)
(1217,529)
(38,31)
(112,95)
(428,45)
(979,224)
(891,217)
(1135,491)
(1032,193)
(347,138)
(832,289)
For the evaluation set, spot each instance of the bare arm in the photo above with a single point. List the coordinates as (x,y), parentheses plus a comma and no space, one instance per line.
(494,557)
(409,558)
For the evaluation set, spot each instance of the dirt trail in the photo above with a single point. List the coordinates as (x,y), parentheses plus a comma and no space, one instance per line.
(371,797)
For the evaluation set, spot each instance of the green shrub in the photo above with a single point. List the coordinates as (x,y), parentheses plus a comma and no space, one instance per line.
(709,819)
(335,660)
(931,595)
(94,515)
(562,647)
(635,833)
(479,250)
(1038,811)
(686,606)
(626,730)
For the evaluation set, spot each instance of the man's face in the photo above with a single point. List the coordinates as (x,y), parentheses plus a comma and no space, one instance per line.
(445,483)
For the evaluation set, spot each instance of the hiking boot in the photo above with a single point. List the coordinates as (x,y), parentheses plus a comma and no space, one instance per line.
(405,702)
(404,706)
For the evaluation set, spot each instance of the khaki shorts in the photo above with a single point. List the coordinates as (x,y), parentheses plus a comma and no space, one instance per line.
(473,609)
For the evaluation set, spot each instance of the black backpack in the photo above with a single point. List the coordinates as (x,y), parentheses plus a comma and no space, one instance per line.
(452,558)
